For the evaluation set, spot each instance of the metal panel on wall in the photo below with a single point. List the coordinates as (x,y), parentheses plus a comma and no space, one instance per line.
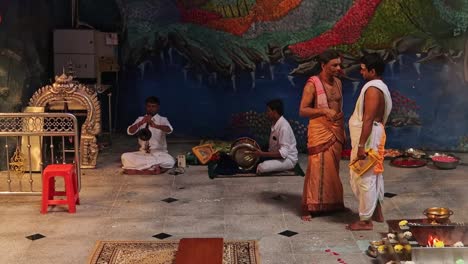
(74,41)
(105,47)
(84,65)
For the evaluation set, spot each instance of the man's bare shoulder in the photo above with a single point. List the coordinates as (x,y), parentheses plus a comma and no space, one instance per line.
(309,87)
(374,90)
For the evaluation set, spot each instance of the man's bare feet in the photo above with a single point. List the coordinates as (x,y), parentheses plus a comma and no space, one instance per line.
(378,215)
(306,215)
(360,225)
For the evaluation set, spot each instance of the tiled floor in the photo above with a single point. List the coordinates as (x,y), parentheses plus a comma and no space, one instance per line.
(121,207)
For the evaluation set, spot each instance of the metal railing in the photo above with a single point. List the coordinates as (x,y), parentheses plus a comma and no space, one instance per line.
(35,134)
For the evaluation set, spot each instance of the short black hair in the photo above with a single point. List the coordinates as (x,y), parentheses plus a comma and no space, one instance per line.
(327,56)
(276,105)
(152,100)
(374,61)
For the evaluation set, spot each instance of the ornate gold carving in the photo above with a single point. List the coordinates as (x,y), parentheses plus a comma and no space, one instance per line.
(63,85)
(17,162)
(66,89)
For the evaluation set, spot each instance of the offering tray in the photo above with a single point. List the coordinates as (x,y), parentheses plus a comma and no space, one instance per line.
(415,153)
(392,153)
(408,162)
(398,248)
(449,234)
(445,161)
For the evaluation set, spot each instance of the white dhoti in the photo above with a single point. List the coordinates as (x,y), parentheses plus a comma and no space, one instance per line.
(275,165)
(140,160)
(369,187)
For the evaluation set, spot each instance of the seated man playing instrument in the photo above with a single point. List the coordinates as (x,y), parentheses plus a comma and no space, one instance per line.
(282,154)
(282,151)
(152,158)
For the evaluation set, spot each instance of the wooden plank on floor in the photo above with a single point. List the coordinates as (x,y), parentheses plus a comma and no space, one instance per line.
(200,251)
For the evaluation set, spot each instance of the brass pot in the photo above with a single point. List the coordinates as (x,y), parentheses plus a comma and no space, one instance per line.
(437,215)
(241,153)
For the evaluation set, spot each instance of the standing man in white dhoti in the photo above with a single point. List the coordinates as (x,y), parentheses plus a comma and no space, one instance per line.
(152,158)
(367,131)
(282,151)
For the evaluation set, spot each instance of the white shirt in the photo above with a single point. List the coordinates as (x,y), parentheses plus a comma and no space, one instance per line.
(158,137)
(282,139)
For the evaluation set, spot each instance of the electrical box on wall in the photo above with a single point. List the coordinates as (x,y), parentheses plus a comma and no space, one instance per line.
(75,41)
(90,52)
(84,65)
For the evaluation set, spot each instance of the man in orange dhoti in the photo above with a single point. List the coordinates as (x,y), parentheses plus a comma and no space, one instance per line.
(322,103)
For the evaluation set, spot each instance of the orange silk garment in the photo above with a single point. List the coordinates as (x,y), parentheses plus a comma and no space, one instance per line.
(323,190)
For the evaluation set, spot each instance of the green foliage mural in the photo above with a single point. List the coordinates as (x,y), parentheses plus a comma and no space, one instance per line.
(226,36)
(258,43)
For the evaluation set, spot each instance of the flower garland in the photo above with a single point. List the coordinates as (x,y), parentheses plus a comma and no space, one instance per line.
(454,17)
(345,31)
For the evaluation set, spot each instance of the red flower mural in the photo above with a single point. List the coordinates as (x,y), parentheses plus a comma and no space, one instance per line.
(346,31)
(404,111)
(196,15)
(263,10)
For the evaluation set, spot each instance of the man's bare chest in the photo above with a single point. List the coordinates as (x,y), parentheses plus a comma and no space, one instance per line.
(333,93)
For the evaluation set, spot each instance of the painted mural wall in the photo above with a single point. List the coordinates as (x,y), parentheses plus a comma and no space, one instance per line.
(215,63)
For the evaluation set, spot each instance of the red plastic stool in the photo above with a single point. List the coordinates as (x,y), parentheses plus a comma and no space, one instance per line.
(67,171)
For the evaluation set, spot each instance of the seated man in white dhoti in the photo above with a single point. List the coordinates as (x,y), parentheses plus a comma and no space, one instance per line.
(152,158)
(282,151)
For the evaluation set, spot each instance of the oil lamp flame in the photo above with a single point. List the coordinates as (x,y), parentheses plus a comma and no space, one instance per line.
(433,241)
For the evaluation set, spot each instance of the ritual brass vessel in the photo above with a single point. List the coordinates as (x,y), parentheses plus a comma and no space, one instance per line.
(242,153)
(437,215)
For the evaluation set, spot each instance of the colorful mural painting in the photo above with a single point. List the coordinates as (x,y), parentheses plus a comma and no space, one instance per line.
(216,63)
(213,62)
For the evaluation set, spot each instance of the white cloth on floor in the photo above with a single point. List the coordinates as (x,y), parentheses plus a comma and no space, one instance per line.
(282,139)
(140,160)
